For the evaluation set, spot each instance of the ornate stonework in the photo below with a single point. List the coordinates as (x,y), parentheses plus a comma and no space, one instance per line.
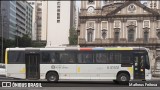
(117,17)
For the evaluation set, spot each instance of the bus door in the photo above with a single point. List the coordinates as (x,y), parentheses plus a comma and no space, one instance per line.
(139,67)
(32,61)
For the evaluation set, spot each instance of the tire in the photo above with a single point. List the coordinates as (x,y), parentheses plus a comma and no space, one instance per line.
(123,78)
(52,77)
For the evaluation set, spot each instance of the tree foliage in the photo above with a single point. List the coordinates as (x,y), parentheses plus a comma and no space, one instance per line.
(73,37)
(24,41)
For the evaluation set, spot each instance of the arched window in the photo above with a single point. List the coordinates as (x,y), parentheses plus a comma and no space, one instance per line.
(131,35)
(116,36)
(158,35)
(90,35)
(91,1)
(145,36)
(104,34)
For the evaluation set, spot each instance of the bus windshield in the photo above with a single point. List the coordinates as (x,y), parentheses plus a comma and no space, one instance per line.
(147,64)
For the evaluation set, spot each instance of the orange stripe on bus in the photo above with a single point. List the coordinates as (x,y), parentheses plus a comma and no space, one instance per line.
(85,49)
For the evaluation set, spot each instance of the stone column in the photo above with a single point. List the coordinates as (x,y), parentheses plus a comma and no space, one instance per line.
(152,38)
(111,30)
(82,39)
(139,31)
(98,31)
(123,31)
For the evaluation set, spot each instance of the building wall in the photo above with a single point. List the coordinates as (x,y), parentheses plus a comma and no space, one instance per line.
(20,18)
(14,13)
(39,20)
(141,20)
(58,33)
(8,17)
(29,11)
(153,4)
(123,28)
(12,20)
(44,20)
(34,23)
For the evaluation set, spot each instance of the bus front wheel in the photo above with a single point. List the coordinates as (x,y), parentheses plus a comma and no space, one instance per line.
(52,77)
(123,78)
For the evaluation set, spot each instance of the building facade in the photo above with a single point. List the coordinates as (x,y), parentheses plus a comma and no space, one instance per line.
(15,19)
(154,4)
(127,22)
(118,23)
(29,12)
(39,32)
(34,23)
(60,18)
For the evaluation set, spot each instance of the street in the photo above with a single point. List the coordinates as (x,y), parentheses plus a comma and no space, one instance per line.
(85,88)
(78,85)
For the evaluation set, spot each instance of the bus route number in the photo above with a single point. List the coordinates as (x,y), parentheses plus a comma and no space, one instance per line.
(112,67)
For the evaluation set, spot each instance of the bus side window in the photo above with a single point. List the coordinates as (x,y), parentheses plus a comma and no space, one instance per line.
(16,57)
(57,57)
(126,58)
(85,57)
(88,58)
(52,57)
(80,58)
(72,57)
(45,57)
(111,58)
(117,57)
(100,58)
(67,57)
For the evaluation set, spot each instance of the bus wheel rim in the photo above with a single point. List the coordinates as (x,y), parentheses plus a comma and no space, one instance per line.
(123,78)
(52,78)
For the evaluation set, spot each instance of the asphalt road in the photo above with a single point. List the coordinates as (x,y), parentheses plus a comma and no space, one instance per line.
(85,88)
(76,85)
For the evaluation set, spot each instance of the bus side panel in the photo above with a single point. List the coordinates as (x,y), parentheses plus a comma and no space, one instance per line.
(44,68)
(16,71)
(97,71)
(110,71)
(148,75)
(67,71)
(129,69)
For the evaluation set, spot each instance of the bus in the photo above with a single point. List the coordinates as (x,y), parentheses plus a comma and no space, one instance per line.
(78,63)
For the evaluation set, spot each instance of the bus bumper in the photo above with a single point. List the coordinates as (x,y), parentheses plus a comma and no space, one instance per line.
(148,77)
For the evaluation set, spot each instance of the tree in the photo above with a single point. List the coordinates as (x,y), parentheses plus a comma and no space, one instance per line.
(73,37)
(24,41)
(7,43)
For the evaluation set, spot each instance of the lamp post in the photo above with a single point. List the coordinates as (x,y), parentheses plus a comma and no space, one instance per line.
(2,18)
(2,39)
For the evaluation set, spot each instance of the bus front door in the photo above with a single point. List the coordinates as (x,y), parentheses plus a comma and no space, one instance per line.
(32,66)
(139,69)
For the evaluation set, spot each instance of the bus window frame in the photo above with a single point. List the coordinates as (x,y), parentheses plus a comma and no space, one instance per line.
(23,62)
(68,51)
(57,57)
(80,52)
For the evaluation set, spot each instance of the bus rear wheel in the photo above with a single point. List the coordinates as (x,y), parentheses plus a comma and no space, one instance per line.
(52,77)
(123,78)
